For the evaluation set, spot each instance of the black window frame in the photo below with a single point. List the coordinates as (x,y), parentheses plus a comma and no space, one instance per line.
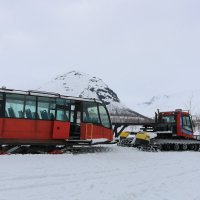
(3,104)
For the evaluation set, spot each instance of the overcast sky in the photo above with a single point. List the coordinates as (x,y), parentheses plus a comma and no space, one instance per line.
(140,48)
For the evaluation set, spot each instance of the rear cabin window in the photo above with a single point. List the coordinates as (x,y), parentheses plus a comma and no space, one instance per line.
(90,113)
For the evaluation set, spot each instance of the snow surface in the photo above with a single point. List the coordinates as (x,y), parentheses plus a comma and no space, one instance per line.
(121,174)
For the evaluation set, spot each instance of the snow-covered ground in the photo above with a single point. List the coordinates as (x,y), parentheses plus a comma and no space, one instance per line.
(121,174)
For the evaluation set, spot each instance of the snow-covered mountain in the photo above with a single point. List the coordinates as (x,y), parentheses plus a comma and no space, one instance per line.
(79,84)
(188,100)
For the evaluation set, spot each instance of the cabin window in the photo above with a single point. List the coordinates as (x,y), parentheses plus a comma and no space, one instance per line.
(62,114)
(14,105)
(187,125)
(30,107)
(104,116)
(46,108)
(62,109)
(90,113)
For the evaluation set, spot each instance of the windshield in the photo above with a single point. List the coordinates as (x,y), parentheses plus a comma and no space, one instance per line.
(104,116)
(90,112)
(95,113)
(168,119)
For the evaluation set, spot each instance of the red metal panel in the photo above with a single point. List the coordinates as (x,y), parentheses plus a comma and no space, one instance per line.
(43,129)
(179,126)
(86,131)
(83,131)
(108,133)
(178,120)
(1,127)
(61,130)
(91,131)
(47,130)
(26,129)
(33,129)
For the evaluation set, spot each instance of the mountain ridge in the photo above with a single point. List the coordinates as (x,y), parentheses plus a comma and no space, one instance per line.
(188,100)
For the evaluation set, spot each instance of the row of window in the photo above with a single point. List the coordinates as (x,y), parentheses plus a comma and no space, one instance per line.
(32,107)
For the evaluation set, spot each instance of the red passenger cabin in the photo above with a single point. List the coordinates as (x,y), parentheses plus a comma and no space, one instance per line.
(176,123)
(42,118)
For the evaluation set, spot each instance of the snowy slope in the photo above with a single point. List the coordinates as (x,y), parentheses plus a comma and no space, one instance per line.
(122,174)
(79,84)
(185,100)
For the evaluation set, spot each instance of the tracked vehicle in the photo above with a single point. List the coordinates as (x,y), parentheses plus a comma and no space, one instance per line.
(173,129)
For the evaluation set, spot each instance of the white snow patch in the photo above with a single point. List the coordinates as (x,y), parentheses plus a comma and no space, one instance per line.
(122,174)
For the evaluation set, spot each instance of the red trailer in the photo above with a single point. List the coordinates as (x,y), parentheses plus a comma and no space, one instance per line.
(50,119)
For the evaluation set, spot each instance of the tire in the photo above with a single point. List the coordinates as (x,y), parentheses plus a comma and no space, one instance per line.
(167,147)
(176,147)
(192,147)
(196,148)
(184,147)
